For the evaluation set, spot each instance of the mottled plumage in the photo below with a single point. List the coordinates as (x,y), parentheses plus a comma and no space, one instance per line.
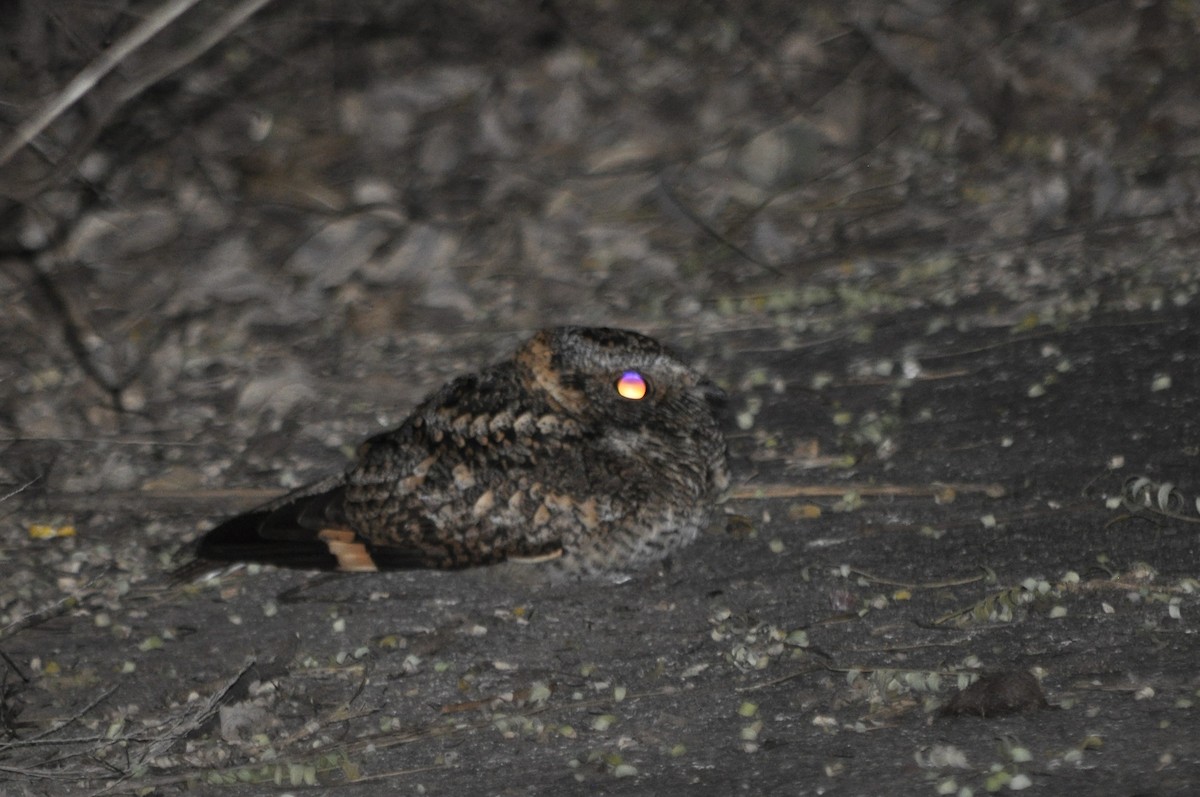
(537,457)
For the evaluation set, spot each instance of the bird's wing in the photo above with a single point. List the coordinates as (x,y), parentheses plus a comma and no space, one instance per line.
(464,481)
(286,531)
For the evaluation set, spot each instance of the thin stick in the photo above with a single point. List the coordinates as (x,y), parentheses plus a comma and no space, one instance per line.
(20,489)
(46,612)
(37,773)
(83,82)
(696,219)
(399,773)
(751,492)
(228,498)
(197,47)
(781,679)
(186,723)
(40,738)
(950,582)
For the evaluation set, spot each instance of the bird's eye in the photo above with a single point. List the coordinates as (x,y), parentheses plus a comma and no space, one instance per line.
(632,385)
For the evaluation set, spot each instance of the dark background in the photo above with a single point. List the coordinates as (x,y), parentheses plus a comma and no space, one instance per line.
(942,255)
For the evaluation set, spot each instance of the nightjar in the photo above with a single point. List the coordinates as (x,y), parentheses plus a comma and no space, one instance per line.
(596,448)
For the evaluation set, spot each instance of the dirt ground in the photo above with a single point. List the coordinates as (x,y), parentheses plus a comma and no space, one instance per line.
(942,256)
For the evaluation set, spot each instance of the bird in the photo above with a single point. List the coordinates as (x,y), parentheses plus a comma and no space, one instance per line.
(593,448)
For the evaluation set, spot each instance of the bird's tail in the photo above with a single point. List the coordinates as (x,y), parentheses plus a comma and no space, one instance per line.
(305,529)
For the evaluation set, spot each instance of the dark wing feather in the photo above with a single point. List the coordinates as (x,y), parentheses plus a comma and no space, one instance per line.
(284,532)
(238,540)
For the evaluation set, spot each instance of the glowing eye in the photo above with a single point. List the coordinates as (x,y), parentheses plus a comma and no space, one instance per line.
(632,386)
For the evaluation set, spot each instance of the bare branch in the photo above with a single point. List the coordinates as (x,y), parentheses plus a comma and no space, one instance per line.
(92,73)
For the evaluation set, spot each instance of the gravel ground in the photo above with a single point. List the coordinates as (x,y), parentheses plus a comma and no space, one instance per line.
(942,256)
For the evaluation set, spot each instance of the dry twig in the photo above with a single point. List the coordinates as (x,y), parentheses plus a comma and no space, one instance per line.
(82,83)
(753,492)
